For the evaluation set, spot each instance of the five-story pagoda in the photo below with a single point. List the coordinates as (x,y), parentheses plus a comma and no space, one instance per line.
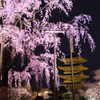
(78,69)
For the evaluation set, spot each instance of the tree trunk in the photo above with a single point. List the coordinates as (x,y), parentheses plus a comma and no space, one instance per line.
(5,78)
(4,93)
(4,90)
(4,68)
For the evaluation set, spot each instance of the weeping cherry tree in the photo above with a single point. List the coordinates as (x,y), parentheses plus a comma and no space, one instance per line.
(21,32)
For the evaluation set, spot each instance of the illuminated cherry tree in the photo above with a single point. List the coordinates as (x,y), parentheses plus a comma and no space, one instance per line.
(23,28)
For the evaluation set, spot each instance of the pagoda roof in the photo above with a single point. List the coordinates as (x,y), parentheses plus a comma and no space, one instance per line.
(73,55)
(76,86)
(76,59)
(76,76)
(76,68)
(75,81)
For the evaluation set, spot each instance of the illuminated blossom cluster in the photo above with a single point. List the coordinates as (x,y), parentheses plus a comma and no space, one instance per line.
(10,36)
(18,77)
(22,30)
(91,91)
(96,75)
(54,4)
(24,94)
(13,9)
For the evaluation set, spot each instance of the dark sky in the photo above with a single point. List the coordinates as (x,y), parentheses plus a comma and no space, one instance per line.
(90,7)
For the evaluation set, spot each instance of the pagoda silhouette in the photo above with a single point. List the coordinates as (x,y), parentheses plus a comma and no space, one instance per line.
(78,69)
